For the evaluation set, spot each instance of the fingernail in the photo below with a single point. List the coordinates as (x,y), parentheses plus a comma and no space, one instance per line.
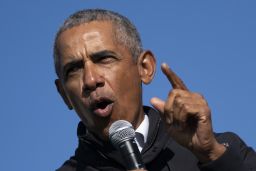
(164,64)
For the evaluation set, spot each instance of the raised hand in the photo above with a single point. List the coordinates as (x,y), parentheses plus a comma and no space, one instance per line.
(189,119)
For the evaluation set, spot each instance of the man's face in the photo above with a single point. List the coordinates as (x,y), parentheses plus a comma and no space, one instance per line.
(99,77)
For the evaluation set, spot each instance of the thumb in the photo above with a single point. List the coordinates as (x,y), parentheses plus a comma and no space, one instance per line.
(158,104)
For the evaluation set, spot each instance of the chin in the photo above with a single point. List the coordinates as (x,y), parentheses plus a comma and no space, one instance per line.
(103,135)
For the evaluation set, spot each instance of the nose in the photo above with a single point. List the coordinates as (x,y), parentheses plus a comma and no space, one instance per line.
(92,78)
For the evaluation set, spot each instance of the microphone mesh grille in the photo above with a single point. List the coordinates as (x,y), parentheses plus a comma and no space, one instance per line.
(121,131)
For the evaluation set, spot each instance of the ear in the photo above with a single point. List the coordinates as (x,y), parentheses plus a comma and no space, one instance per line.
(147,66)
(61,91)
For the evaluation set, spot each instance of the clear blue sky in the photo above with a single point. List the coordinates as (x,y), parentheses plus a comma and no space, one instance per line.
(210,44)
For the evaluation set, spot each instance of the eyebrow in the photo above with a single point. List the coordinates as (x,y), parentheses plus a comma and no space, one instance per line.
(98,55)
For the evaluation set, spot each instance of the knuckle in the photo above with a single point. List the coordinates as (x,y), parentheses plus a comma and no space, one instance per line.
(200,99)
(186,108)
(205,110)
(198,95)
(167,110)
(178,100)
(168,120)
(170,93)
(175,91)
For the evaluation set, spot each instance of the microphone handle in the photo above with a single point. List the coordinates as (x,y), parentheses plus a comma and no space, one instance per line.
(131,154)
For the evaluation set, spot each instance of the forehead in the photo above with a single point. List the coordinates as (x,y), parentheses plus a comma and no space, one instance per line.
(82,40)
(88,36)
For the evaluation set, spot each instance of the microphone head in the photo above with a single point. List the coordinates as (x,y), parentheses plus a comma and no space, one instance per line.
(120,131)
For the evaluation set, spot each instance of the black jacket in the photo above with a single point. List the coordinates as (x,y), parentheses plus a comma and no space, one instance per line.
(160,153)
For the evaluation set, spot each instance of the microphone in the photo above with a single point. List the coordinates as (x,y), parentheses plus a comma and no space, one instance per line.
(121,135)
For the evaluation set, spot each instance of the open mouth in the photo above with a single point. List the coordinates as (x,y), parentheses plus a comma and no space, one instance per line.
(102,104)
(103,107)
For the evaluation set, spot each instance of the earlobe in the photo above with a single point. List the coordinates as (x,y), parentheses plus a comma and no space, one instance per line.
(61,91)
(147,66)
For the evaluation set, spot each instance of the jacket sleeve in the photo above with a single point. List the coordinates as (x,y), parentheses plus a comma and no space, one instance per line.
(237,157)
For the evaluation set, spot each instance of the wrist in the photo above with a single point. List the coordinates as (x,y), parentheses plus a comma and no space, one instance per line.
(217,152)
(213,154)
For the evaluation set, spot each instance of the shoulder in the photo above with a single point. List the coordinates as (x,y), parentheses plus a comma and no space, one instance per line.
(69,165)
(229,138)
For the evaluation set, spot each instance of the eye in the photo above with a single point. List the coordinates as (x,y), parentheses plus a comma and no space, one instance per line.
(73,69)
(106,59)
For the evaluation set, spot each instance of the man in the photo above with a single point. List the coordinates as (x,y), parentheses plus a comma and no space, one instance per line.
(101,66)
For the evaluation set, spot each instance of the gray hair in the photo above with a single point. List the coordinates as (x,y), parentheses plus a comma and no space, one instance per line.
(125,32)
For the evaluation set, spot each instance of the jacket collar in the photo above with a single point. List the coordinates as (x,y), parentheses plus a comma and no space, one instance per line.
(157,138)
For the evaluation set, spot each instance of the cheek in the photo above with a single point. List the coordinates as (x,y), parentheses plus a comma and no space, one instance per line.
(127,89)
(74,90)
(129,83)
(79,103)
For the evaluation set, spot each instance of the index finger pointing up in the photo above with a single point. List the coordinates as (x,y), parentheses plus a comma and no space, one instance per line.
(175,81)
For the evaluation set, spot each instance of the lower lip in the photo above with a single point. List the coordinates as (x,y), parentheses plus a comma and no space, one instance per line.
(104,112)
